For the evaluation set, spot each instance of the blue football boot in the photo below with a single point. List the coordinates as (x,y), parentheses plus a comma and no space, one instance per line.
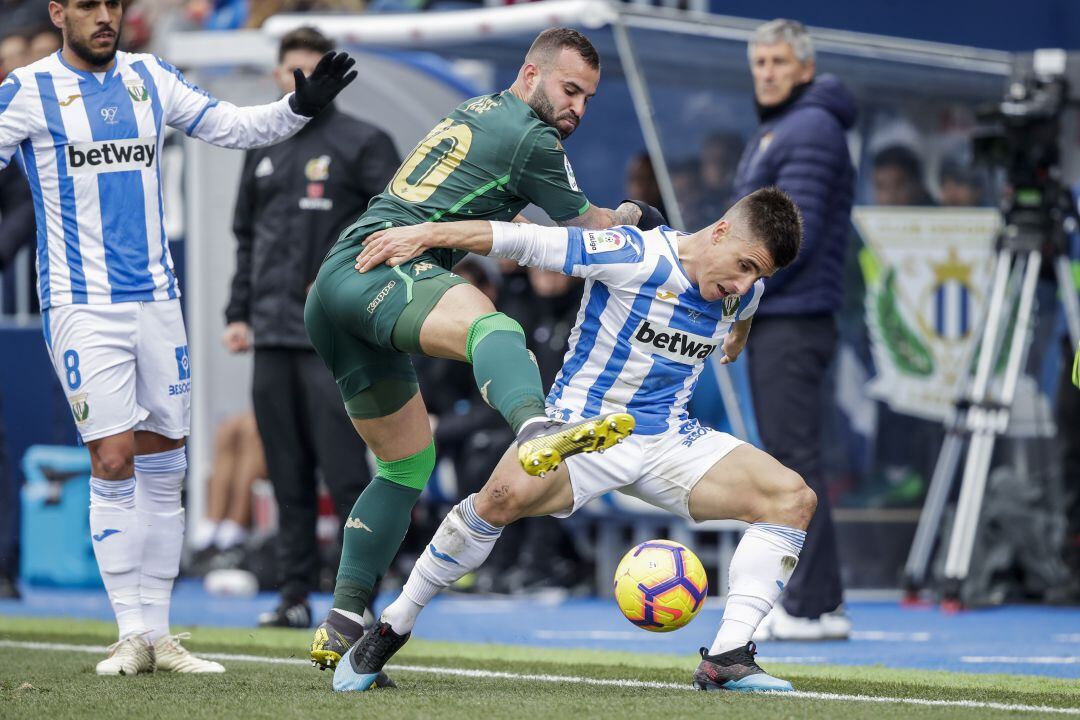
(736,670)
(361,667)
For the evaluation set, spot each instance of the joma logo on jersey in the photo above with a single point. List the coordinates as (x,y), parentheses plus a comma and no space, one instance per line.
(677,345)
(111,156)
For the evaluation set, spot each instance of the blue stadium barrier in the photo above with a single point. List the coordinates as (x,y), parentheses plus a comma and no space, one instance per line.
(56,546)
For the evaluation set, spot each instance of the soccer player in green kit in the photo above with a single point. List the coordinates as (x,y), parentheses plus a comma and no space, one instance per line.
(490,158)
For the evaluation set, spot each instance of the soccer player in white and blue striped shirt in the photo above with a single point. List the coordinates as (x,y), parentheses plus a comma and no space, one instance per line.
(656,305)
(87,125)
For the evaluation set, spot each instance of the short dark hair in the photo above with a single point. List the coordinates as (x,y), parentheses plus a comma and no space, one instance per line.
(774,219)
(548,43)
(900,156)
(304,38)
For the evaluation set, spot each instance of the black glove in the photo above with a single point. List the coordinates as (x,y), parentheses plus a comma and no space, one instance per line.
(329,78)
(650,216)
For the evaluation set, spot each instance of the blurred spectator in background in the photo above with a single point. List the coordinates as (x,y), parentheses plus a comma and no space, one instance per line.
(719,159)
(641,181)
(905,447)
(260,10)
(686,184)
(44,41)
(801,147)
(962,184)
(898,178)
(294,199)
(22,16)
(14,53)
(238,462)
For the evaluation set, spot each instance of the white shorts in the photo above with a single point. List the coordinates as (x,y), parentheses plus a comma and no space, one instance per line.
(659,469)
(123,366)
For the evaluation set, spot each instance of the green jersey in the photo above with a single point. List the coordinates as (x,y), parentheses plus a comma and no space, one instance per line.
(489,159)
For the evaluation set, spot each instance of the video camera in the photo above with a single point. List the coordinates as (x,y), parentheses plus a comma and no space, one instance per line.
(1021,135)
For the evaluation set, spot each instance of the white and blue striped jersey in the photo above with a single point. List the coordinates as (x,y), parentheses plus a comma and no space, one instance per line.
(643,332)
(90,144)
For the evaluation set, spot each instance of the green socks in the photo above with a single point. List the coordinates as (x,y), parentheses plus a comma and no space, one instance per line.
(505,370)
(377,525)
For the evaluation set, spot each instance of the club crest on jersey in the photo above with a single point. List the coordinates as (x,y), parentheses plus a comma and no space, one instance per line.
(80,408)
(677,345)
(730,305)
(318,168)
(600,241)
(138,92)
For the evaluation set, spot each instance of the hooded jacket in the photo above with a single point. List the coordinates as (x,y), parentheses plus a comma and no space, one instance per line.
(803,150)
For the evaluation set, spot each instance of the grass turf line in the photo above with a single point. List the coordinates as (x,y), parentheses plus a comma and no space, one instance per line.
(62,684)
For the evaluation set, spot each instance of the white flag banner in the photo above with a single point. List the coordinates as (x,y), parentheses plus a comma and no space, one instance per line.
(927,273)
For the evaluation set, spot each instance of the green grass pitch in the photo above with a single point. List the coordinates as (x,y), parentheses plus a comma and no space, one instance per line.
(43,680)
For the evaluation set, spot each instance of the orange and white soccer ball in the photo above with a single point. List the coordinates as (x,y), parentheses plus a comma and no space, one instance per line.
(660,585)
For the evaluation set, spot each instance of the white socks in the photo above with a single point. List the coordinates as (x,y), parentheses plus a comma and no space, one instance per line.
(230,534)
(157,500)
(221,535)
(460,545)
(760,568)
(118,544)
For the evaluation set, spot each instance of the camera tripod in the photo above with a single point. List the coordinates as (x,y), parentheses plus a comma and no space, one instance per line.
(984,399)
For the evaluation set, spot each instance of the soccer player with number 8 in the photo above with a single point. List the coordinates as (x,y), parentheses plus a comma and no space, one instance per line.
(88,125)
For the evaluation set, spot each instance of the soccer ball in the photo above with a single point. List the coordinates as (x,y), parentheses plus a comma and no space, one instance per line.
(660,585)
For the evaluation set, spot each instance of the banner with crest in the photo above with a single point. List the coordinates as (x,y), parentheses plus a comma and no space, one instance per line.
(927,273)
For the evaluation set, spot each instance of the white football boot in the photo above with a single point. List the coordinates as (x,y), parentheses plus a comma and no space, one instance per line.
(130,656)
(779,625)
(174,657)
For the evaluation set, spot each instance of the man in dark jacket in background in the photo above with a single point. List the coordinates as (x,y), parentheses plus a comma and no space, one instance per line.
(800,147)
(295,198)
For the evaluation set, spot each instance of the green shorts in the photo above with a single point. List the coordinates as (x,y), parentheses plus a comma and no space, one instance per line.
(364,325)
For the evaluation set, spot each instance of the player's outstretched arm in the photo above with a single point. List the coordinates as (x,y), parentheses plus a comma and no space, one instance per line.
(528,244)
(199,115)
(396,245)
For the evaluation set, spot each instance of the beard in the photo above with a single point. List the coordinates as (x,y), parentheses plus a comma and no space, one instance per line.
(81,48)
(541,105)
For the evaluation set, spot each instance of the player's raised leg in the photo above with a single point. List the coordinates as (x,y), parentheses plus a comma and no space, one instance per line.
(749,485)
(465,326)
(460,545)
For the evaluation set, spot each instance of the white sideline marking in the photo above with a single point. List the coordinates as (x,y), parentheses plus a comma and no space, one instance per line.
(1068,638)
(1028,660)
(885,636)
(564,679)
(636,635)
